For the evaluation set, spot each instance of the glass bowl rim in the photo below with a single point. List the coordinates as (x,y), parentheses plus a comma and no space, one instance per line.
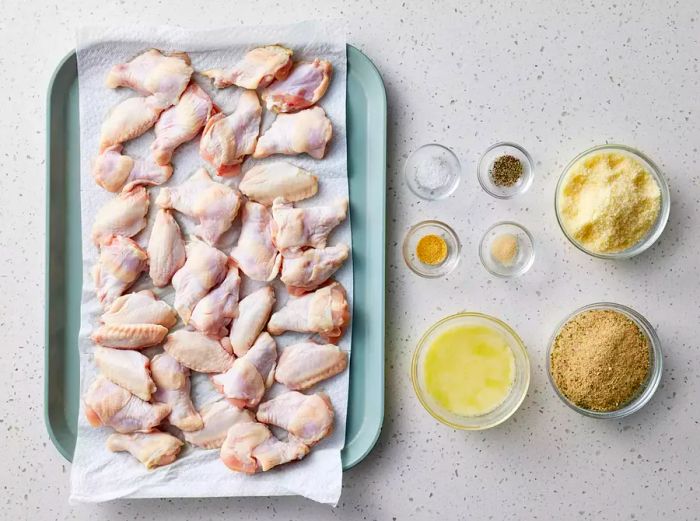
(655,369)
(523,188)
(421,345)
(455,183)
(532,244)
(432,222)
(661,221)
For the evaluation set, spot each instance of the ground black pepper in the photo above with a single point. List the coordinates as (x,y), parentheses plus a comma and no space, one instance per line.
(506,170)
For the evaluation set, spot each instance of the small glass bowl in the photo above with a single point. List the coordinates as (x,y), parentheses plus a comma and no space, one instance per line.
(486,162)
(442,182)
(415,233)
(526,250)
(655,363)
(655,231)
(517,392)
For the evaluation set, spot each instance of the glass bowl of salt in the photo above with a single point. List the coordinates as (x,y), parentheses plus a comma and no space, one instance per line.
(432,172)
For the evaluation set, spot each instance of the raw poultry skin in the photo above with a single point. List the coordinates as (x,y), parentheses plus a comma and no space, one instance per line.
(294,229)
(181,123)
(307,417)
(108,404)
(173,388)
(199,352)
(265,182)
(253,312)
(305,85)
(129,119)
(250,447)
(226,140)
(127,369)
(115,171)
(119,264)
(254,252)
(258,68)
(123,215)
(166,249)
(218,417)
(217,308)
(152,72)
(244,384)
(325,311)
(312,268)
(204,268)
(141,307)
(305,132)
(305,364)
(129,336)
(213,205)
(153,449)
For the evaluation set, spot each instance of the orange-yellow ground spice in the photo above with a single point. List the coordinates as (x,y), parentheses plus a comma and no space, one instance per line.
(431,249)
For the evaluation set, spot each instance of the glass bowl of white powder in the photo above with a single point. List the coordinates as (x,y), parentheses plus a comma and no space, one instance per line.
(432,172)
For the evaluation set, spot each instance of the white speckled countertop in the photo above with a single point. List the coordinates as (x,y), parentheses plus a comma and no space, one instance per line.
(554,79)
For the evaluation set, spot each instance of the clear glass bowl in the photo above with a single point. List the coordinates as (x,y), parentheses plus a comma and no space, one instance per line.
(655,363)
(517,392)
(484,170)
(525,256)
(432,172)
(415,233)
(658,227)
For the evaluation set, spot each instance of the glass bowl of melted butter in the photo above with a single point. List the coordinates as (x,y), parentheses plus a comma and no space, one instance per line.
(470,371)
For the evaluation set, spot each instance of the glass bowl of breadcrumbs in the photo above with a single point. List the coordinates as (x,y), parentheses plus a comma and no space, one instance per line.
(604,360)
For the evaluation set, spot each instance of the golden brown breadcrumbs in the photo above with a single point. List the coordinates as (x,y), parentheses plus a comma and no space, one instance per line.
(600,359)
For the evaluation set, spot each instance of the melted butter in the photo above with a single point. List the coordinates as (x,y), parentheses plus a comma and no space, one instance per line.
(469,370)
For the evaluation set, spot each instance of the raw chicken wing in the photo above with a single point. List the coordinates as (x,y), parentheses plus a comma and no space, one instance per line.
(305,364)
(181,123)
(250,447)
(173,383)
(217,308)
(123,215)
(204,268)
(140,308)
(244,384)
(213,205)
(312,268)
(129,336)
(226,140)
(307,417)
(113,171)
(265,182)
(127,369)
(307,131)
(129,119)
(258,68)
(199,352)
(218,417)
(325,311)
(166,249)
(305,85)
(120,263)
(153,449)
(108,404)
(253,312)
(154,73)
(254,253)
(296,228)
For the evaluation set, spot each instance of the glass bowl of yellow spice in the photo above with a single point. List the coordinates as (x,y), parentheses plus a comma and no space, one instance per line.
(612,202)
(605,361)
(431,249)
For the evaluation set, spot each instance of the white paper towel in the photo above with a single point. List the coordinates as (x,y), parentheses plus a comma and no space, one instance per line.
(97,474)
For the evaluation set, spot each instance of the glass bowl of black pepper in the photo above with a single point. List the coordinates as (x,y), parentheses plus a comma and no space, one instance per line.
(647,387)
(505,170)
